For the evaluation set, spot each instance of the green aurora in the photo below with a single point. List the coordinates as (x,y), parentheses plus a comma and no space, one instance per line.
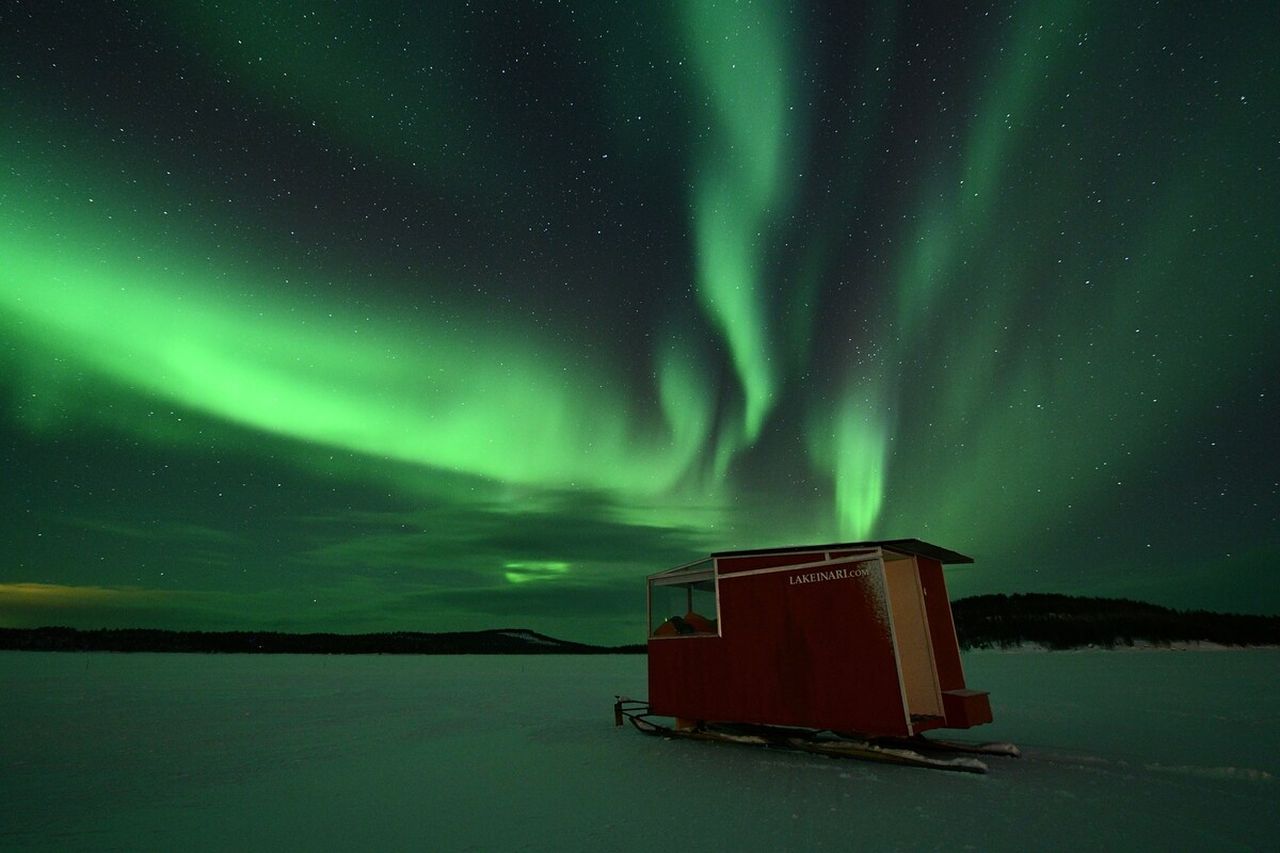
(315,320)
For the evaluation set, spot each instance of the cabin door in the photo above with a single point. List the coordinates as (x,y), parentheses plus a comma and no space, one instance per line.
(911,634)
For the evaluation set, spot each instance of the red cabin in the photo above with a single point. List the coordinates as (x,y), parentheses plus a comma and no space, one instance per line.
(852,637)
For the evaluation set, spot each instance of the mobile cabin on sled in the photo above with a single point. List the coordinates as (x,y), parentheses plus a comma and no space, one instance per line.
(852,637)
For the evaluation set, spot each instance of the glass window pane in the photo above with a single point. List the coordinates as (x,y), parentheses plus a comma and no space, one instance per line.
(683,609)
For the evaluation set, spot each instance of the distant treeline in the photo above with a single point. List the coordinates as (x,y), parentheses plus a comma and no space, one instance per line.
(983,621)
(1068,621)
(510,641)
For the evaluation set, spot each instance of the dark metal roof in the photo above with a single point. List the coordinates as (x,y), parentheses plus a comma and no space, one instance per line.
(902,546)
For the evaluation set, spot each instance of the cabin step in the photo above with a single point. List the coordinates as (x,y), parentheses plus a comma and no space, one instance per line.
(966,708)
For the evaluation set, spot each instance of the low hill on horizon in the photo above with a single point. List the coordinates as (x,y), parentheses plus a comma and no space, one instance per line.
(982,622)
(497,641)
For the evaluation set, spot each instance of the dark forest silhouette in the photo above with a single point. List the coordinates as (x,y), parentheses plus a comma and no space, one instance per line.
(1068,621)
(983,621)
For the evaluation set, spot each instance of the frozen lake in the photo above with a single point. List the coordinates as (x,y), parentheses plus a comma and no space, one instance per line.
(1123,750)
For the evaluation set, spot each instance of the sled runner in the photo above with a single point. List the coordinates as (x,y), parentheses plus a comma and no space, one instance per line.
(914,752)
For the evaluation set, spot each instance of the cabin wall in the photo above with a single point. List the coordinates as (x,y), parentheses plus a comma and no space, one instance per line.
(942,628)
(732,565)
(911,630)
(795,649)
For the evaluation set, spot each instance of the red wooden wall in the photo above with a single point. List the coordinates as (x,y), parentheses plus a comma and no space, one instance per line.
(942,630)
(813,654)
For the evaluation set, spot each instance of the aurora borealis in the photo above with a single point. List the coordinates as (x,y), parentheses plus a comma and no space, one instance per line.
(370,317)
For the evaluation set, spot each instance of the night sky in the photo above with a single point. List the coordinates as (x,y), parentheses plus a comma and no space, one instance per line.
(455,315)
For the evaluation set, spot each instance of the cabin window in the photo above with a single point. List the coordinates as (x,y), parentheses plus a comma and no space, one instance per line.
(682,603)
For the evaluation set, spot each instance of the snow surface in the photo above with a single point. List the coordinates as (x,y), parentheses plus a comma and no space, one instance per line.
(1172,750)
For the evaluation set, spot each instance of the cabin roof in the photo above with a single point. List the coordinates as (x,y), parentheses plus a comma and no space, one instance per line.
(903,546)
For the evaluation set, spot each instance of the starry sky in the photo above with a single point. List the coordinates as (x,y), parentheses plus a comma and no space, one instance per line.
(455,315)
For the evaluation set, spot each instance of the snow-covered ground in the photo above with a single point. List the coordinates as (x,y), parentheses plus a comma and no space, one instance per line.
(1168,750)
